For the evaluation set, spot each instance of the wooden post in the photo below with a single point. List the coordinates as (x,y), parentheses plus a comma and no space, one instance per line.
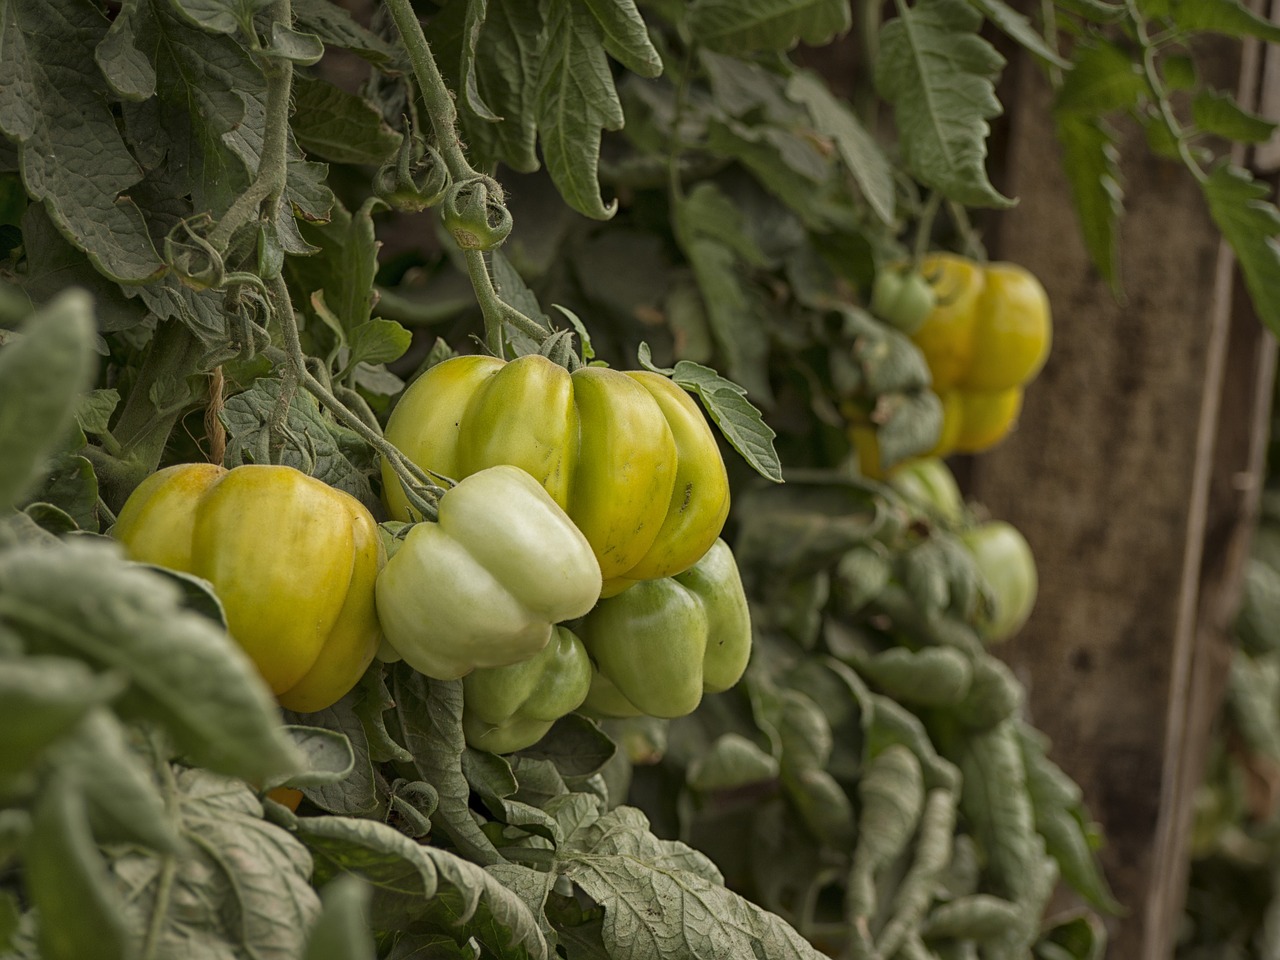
(1134,474)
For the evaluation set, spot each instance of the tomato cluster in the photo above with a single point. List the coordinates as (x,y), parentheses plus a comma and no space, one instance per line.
(598,495)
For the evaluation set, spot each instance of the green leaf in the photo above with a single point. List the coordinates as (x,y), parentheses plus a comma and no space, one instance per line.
(221,16)
(423,886)
(858,149)
(339,126)
(329,756)
(342,930)
(575,745)
(239,890)
(1229,17)
(344,268)
(1104,78)
(73,156)
(626,37)
(1092,163)
(378,341)
(429,715)
(1019,28)
(356,793)
(576,102)
(93,410)
(336,28)
(41,373)
(626,869)
(473,19)
(125,67)
(67,881)
(1251,224)
(939,75)
(507,65)
(741,27)
(315,444)
(43,699)
(1217,112)
(709,228)
(72,487)
(82,599)
(304,49)
(727,404)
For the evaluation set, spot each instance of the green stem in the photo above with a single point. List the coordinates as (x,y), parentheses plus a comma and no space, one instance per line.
(1160,93)
(924,228)
(490,303)
(435,93)
(296,363)
(269,182)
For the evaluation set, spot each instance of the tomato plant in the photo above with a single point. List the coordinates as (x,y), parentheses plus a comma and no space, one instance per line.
(243,246)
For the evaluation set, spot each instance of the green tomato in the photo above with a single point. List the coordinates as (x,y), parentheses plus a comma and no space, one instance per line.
(292,559)
(1004,558)
(663,643)
(482,586)
(902,298)
(930,484)
(628,456)
(512,707)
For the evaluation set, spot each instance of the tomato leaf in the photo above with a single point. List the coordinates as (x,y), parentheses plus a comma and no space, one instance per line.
(1102,79)
(416,886)
(73,156)
(335,27)
(338,126)
(66,880)
(330,756)
(83,600)
(858,149)
(1217,112)
(576,102)
(428,714)
(710,230)
(621,865)
(240,887)
(939,75)
(1229,17)
(221,16)
(41,374)
(346,784)
(1092,165)
(741,27)
(342,930)
(1251,224)
(626,37)
(1016,26)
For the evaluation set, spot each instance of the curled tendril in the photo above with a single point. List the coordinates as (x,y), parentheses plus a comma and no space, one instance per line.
(417,179)
(248,312)
(474,213)
(194,259)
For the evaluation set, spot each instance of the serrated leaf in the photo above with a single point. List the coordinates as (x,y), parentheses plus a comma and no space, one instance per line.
(342,930)
(66,880)
(1216,112)
(576,102)
(93,410)
(1016,25)
(41,373)
(626,37)
(73,156)
(1104,78)
(82,599)
(1251,224)
(423,886)
(939,75)
(335,27)
(240,888)
(126,68)
(335,125)
(344,268)
(741,27)
(858,149)
(710,231)
(221,16)
(314,443)
(1092,164)
(727,404)
(428,714)
(626,869)
(354,794)
(1228,17)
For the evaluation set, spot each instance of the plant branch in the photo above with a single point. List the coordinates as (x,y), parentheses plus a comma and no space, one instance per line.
(269,182)
(1160,93)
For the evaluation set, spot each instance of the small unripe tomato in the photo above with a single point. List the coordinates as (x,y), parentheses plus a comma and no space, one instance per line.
(902,298)
(1004,558)
(293,561)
